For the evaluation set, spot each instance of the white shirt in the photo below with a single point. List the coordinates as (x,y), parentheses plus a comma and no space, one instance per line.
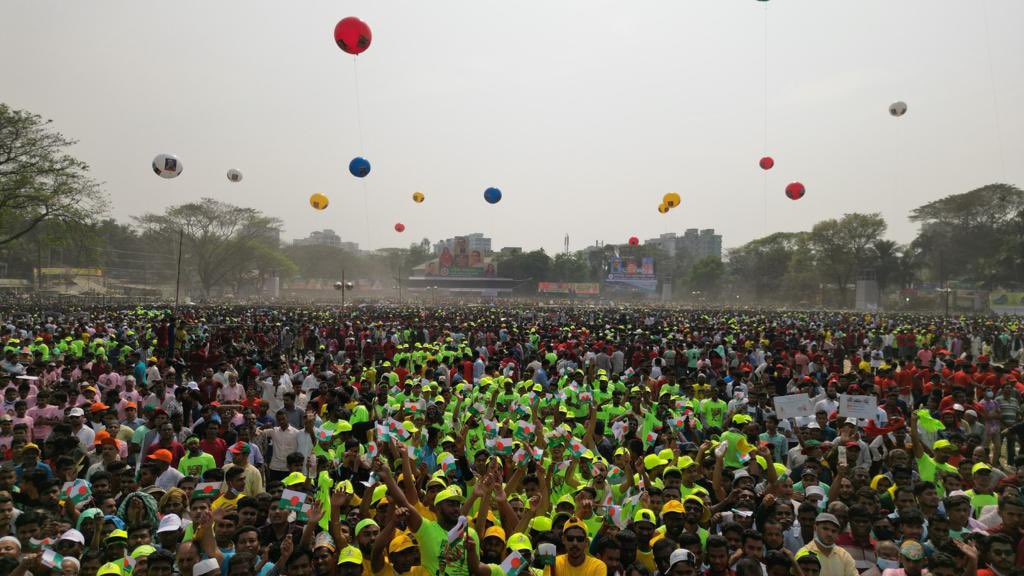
(86,437)
(284,442)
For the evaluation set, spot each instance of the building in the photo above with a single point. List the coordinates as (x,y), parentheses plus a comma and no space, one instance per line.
(475,242)
(326,237)
(697,244)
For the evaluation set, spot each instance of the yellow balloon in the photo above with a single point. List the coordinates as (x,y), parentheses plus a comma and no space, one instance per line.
(671,200)
(418,197)
(318,201)
(663,208)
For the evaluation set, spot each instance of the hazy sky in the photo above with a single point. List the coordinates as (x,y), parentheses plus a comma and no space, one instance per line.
(583,112)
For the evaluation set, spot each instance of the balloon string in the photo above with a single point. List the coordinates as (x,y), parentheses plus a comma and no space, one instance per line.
(992,88)
(362,150)
(764,192)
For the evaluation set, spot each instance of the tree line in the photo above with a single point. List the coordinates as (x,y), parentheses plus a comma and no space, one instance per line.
(53,213)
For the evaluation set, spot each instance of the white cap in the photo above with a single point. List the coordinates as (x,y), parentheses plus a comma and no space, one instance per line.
(193,386)
(814,491)
(959,407)
(169,523)
(681,555)
(971,413)
(76,411)
(813,425)
(73,535)
(204,567)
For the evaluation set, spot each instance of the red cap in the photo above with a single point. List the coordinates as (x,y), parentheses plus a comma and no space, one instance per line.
(162,455)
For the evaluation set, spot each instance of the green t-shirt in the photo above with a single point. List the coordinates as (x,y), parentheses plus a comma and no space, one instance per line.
(203,462)
(433,541)
(979,501)
(712,412)
(692,355)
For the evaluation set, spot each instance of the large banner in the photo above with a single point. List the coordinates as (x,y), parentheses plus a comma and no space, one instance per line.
(1003,302)
(633,272)
(578,288)
(461,262)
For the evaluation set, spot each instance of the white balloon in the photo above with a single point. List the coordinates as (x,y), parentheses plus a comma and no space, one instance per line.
(167,166)
(234,175)
(898,109)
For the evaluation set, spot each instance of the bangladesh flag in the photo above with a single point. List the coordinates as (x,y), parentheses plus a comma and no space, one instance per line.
(292,500)
(525,430)
(51,559)
(323,435)
(576,447)
(206,490)
(503,446)
(514,564)
(77,492)
(616,475)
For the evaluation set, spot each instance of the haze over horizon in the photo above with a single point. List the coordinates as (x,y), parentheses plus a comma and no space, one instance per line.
(583,113)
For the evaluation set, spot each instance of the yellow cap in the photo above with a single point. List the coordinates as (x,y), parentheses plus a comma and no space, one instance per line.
(495,532)
(449,493)
(519,542)
(645,515)
(673,507)
(350,555)
(400,542)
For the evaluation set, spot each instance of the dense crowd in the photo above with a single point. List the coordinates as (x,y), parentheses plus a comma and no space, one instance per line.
(380,440)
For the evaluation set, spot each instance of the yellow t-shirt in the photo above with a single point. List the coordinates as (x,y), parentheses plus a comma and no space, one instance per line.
(591,567)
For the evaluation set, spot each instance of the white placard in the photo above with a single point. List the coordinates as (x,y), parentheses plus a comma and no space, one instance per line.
(793,406)
(864,407)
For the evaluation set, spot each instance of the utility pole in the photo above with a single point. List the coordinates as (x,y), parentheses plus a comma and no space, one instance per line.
(344,287)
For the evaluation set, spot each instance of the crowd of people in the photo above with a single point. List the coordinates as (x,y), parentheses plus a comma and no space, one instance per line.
(517,439)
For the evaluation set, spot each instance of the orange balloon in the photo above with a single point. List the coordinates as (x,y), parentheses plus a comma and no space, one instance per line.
(663,208)
(671,200)
(418,197)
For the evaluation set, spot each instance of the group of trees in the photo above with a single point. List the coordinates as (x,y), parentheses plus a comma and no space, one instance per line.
(53,213)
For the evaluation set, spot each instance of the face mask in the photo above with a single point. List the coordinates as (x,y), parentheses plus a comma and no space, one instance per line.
(822,544)
(884,564)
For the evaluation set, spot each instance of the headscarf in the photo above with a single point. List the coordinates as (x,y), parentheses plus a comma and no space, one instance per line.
(118,523)
(147,501)
(85,515)
(173,493)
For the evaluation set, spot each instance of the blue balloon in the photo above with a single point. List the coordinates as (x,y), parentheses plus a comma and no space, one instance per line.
(359,167)
(492,195)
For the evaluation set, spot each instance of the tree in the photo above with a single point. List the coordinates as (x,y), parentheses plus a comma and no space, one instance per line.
(221,241)
(841,247)
(572,267)
(759,267)
(39,179)
(977,235)
(706,275)
(531,267)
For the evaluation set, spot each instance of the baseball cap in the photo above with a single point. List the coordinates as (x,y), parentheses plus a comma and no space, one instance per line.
(108,569)
(826,517)
(73,535)
(98,407)
(912,550)
(980,466)
(76,411)
(162,455)
(653,461)
(541,524)
(940,444)
(574,522)
(400,542)
(116,535)
(673,507)
(30,446)
(450,493)
(350,555)
(681,555)
(364,523)
(645,515)
(519,542)
(169,523)
(240,448)
(806,556)
(143,551)
(495,532)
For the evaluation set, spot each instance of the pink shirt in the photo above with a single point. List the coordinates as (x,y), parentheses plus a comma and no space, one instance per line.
(41,430)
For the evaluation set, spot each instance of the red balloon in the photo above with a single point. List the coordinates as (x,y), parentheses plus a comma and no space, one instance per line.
(795,191)
(399,227)
(352,35)
(634,241)
(766,163)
